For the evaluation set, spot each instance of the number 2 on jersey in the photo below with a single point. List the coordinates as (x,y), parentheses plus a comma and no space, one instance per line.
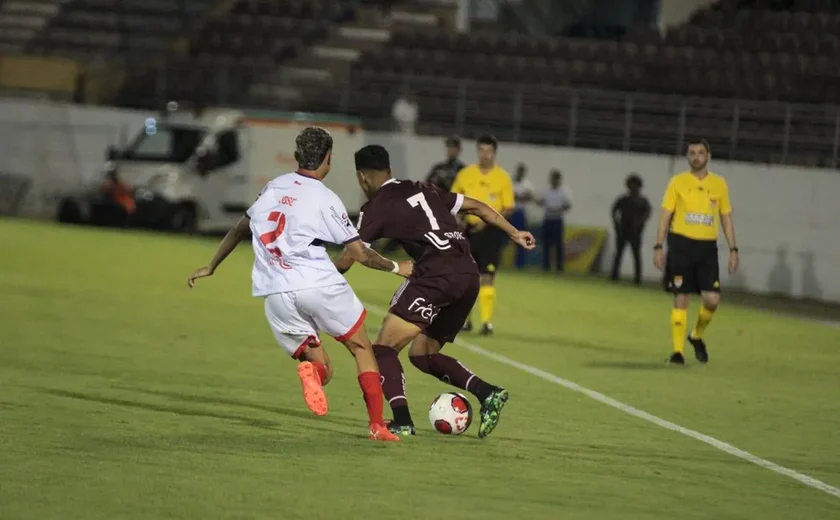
(420,200)
(270,237)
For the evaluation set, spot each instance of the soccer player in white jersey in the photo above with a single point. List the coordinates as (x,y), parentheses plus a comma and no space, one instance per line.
(294,215)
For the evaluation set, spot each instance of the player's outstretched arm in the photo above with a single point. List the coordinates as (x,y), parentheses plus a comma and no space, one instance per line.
(358,252)
(226,246)
(489,215)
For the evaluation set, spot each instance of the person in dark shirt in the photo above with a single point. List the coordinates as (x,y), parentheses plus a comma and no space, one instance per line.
(443,173)
(429,309)
(630,213)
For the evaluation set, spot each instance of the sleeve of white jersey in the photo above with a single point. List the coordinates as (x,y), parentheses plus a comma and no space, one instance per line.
(340,229)
(254,207)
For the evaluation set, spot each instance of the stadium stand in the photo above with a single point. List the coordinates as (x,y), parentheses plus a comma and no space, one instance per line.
(720,58)
(758,76)
(86,29)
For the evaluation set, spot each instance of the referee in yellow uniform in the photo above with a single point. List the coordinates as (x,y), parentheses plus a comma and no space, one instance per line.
(695,205)
(491,184)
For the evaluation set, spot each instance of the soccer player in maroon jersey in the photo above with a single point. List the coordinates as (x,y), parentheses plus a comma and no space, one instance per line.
(429,309)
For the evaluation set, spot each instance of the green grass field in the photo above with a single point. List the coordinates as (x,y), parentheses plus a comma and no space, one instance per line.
(123,395)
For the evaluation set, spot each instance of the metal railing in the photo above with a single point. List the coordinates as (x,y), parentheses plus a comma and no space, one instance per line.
(769,132)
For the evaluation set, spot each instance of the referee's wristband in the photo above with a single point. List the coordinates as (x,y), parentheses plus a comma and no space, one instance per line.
(733,249)
(657,246)
(396,268)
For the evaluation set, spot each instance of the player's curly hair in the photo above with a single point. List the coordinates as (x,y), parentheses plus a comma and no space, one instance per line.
(311,147)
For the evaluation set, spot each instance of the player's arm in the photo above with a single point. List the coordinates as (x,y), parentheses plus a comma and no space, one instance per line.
(471,206)
(357,241)
(666,213)
(343,262)
(356,251)
(669,204)
(729,229)
(236,234)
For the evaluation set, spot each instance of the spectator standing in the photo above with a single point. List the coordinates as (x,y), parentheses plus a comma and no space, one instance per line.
(630,213)
(557,201)
(404,113)
(443,173)
(523,193)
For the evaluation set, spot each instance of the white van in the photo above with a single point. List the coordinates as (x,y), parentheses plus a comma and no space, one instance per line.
(200,172)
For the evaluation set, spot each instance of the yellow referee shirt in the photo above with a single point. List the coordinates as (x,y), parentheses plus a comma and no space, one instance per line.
(696,204)
(493,188)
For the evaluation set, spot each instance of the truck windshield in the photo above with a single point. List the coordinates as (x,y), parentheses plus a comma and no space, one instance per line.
(164,143)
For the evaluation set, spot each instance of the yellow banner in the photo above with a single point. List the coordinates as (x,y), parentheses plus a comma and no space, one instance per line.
(38,73)
(583,248)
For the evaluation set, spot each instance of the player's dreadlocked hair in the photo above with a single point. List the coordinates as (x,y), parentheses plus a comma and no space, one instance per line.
(312,146)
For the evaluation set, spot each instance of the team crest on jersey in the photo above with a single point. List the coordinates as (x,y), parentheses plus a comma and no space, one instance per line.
(678,281)
(713,204)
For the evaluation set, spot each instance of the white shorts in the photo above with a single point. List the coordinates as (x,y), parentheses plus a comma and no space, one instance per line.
(296,317)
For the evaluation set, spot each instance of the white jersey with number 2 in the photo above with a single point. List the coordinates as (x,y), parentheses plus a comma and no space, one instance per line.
(291,220)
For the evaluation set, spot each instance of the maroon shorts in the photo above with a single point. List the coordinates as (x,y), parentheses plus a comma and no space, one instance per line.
(439,305)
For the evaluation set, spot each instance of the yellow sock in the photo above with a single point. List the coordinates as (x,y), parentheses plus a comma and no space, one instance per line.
(486,302)
(703,320)
(678,326)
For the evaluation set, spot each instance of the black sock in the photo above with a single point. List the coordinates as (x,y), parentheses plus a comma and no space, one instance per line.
(481,389)
(402,416)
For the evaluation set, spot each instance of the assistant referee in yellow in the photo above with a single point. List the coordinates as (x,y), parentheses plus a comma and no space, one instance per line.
(489,183)
(695,205)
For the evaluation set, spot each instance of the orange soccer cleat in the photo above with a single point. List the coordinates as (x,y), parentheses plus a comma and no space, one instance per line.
(313,390)
(380,432)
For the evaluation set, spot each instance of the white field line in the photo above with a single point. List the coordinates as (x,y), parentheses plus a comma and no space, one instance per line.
(609,401)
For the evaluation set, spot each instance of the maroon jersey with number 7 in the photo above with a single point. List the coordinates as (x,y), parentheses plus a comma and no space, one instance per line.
(421,218)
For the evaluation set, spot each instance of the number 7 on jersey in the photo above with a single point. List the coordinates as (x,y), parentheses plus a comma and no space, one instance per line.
(420,200)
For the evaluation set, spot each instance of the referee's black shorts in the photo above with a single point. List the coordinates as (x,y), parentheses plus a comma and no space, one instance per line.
(691,266)
(486,247)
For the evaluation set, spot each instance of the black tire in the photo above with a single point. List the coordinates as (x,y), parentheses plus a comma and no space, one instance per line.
(184,220)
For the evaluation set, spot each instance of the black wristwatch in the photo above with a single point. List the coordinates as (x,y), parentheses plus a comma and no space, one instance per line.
(733,249)
(657,246)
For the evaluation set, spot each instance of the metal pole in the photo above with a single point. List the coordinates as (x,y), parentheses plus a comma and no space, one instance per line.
(836,147)
(681,128)
(517,113)
(573,117)
(461,107)
(628,122)
(786,138)
(733,138)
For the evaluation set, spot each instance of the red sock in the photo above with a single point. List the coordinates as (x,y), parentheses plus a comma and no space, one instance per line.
(372,390)
(322,371)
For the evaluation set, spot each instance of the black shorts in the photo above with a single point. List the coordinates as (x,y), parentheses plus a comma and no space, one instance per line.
(486,247)
(691,266)
(439,305)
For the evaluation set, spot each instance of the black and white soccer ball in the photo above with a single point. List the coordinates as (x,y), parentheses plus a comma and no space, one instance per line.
(450,413)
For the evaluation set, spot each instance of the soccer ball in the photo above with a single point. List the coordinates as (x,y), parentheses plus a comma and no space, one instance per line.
(450,413)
